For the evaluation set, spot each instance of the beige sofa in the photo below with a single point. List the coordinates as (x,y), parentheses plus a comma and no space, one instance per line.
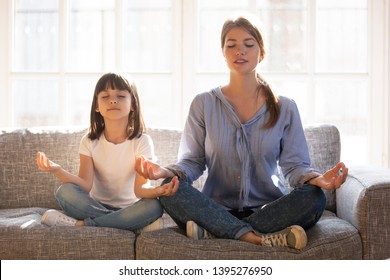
(356,224)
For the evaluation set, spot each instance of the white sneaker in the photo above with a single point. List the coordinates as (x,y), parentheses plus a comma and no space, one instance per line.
(156,225)
(56,218)
(194,231)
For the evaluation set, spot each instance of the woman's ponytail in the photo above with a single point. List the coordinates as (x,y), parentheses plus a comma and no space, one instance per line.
(271,101)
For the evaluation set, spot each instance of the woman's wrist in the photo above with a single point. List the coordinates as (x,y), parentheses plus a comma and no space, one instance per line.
(310,178)
(313,181)
(310,182)
(175,171)
(168,173)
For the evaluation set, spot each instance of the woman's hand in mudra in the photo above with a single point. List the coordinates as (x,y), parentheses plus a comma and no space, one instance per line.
(151,170)
(333,178)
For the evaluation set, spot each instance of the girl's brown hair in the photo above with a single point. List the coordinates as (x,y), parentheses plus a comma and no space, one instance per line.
(135,125)
(272,100)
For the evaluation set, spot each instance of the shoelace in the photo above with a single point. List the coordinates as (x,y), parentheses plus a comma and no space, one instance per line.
(62,219)
(207,235)
(279,240)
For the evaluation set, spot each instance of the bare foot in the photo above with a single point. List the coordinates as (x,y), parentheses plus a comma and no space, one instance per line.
(251,237)
(80,223)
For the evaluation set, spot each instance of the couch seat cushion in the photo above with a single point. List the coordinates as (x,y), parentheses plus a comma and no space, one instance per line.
(330,238)
(24,237)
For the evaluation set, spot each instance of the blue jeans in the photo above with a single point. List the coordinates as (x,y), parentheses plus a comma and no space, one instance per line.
(303,206)
(78,204)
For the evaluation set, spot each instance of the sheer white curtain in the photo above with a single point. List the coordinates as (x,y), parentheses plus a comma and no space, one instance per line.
(330,56)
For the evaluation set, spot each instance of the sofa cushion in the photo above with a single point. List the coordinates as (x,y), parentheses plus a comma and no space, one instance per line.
(22,184)
(166,146)
(24,237)
(324,148)
(330,238)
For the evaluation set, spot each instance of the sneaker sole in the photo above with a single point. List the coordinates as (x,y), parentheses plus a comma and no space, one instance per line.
(190,230)
(44,217)
(300,238)
(156,225)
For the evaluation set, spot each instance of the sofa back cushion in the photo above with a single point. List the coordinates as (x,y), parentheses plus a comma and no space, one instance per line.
(324,148)
(23,185)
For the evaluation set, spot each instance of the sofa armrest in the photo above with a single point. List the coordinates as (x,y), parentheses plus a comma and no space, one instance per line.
(364,201)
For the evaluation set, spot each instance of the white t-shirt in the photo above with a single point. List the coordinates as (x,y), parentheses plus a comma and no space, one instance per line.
(114,168)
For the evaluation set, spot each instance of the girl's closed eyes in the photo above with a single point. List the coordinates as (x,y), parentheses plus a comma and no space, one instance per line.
(233,46)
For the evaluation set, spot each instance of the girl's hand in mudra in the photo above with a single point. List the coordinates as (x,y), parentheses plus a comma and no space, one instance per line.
(45,164)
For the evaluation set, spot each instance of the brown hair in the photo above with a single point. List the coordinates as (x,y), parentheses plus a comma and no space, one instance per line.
(135,125)
(272,100)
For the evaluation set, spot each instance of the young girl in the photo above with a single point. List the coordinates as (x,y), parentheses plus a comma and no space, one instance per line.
(107,191)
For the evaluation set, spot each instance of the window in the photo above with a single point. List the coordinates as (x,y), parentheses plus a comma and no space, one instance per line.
(328,55)
(317,55)
(60,48)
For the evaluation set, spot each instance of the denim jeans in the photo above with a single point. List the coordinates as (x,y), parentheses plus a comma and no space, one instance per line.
(78,204)
(303,206)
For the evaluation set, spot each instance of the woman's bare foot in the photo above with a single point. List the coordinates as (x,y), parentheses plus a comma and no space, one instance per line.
(251,237)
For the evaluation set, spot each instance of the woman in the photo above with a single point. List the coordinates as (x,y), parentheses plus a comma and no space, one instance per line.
(249,139)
